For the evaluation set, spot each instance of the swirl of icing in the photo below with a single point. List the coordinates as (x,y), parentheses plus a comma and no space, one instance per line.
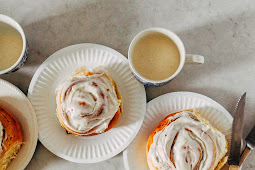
(88,102)
(186,142)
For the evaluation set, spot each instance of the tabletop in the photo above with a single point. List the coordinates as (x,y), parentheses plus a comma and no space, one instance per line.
(222,31)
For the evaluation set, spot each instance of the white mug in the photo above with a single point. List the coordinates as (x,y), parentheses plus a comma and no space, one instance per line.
(24,54)
(184,58)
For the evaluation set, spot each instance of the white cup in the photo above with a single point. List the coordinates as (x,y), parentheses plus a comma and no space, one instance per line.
(24,54)
(184,58)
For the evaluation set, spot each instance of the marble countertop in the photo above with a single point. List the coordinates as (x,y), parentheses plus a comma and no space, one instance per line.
(222,31)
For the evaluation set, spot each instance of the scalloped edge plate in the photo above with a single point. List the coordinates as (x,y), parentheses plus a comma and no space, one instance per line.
(14,100)
(135,155)
(58,67)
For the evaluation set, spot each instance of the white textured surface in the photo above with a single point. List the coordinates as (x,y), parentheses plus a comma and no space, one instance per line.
(42,95)
(222,31)
(160,107)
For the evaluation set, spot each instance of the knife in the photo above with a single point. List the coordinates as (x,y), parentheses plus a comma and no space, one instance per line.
(237,133)
(250,140)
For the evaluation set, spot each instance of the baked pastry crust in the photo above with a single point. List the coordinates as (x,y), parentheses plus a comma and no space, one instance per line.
(83,71)
(12,137)
(165,122)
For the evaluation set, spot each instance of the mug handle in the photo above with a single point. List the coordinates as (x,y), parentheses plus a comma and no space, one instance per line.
(194,59)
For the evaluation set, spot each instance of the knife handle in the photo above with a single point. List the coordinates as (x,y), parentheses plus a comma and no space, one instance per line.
(244,155)
(233,167)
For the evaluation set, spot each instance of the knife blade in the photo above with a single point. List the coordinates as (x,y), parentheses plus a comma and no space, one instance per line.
(237,132)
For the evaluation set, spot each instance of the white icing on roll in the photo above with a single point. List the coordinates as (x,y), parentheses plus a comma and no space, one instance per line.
(187,143)
(88,102)
(1,137)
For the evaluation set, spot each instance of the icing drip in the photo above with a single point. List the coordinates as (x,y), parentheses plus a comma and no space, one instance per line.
(88,102)
(187,143)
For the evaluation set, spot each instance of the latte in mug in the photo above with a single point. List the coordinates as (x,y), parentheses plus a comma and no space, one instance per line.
(11,45)
(156,56)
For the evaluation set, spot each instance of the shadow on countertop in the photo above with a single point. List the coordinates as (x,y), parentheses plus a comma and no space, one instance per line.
(97,22)
(227,61)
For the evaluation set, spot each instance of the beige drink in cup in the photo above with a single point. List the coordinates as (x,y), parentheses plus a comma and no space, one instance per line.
(13,45)
(157,55)
(10,45)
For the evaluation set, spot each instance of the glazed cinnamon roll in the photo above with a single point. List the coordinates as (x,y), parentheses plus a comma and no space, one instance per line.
(10,137)
(88,102)
(184,140)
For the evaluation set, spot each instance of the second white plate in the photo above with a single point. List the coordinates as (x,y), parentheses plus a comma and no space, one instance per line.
(18,104)
(157,109)
(42,95)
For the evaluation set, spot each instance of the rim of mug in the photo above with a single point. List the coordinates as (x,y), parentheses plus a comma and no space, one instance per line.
(169,34)
(8,20)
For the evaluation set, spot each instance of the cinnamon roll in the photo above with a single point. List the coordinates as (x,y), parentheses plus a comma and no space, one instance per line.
(184,140)
(10,137)
(88,102)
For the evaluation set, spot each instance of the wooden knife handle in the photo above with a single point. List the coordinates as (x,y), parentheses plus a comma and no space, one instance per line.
(244,155)
(233,167)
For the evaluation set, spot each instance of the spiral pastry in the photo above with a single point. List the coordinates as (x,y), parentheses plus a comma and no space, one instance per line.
(88,102)
(10,137)
(184,140)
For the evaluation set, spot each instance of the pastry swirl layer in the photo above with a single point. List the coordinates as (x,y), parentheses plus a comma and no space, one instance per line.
(184,140)
(88,101)
(10,136)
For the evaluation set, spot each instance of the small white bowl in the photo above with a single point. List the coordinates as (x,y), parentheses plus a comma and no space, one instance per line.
(24,54)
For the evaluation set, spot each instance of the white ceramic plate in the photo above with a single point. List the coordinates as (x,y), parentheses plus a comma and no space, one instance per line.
(18,104)
(42,95)
(157,109)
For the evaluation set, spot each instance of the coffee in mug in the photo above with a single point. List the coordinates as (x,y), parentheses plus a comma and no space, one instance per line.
(156,56)
(11,45)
